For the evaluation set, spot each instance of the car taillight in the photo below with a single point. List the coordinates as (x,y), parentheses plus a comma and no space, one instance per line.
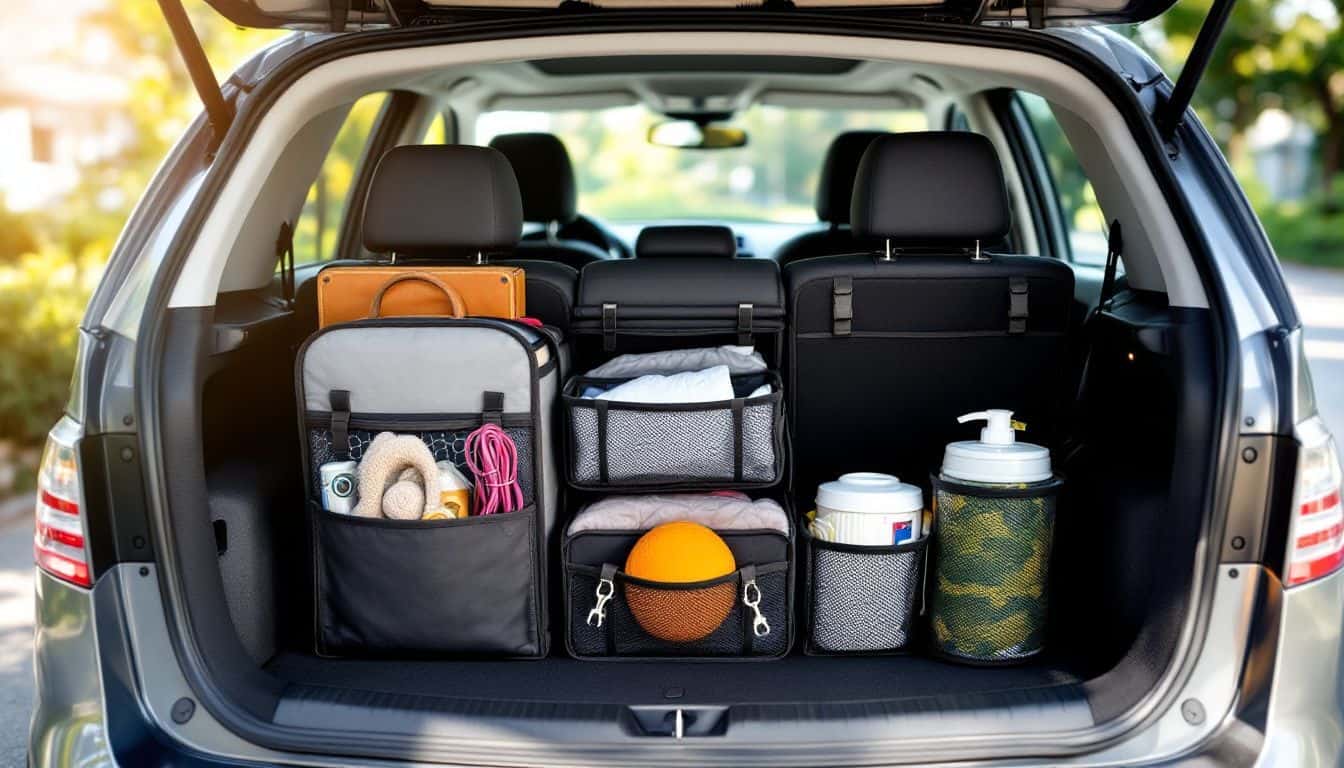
(58,539)
(1316,538)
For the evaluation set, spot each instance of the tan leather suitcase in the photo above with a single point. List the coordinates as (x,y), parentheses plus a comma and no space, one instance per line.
(346,293)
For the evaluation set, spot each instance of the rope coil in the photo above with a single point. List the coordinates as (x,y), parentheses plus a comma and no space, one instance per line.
(492,458)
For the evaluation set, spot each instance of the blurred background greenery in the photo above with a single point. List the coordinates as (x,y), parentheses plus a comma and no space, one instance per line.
(1273,97)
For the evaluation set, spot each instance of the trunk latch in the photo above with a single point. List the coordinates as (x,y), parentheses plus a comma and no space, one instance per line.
(680,722)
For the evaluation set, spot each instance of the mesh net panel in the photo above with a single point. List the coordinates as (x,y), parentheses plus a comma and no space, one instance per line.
(446,446)
(678,622)
(989,596)
(863,601)
(674,445)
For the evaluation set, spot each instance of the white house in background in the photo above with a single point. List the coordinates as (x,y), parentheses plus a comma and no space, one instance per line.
(63,103)
(1281,148)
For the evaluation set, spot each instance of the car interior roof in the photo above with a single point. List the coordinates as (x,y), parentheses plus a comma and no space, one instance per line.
(474,77)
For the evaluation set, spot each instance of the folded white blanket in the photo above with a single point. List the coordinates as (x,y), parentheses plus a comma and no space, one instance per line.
(739,359)
(705,386)
(723,511)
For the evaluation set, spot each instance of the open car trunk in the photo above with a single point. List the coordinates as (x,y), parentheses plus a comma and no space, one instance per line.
(1136,445)
(1122,561)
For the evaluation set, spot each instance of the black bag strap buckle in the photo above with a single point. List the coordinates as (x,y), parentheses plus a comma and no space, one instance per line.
(492,408)
(744,316)
(842,306)
(340,422)
(609,327)
(1017,305)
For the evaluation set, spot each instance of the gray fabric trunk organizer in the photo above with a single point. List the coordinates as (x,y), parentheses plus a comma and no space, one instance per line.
(473,586)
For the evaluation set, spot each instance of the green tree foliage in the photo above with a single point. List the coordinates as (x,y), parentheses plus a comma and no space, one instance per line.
(50,260)
(1275,54)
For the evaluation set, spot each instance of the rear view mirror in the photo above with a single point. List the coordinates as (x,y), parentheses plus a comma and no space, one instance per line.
(688,134)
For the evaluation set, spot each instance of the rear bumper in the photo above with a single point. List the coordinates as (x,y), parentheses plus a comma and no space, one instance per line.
(1305,718)
(87,710)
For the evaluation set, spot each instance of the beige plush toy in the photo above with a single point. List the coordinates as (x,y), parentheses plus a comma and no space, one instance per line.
(397,479)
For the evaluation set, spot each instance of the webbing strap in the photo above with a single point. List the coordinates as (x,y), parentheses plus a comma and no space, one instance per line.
(340,422)
(609,327)
(492,408)
(745,577)
(737,438)
(842,305)
(744,312)
(1115,245)
(1017,305)
(609,574)
(601,406)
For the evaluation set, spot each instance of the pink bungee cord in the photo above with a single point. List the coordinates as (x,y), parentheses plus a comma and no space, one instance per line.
(492,458)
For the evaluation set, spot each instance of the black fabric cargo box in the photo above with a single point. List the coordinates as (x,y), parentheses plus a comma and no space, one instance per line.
(608,629)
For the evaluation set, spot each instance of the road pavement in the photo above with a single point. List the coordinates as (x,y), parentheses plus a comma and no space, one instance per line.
(1320,300)
(16,634)
(1319,295)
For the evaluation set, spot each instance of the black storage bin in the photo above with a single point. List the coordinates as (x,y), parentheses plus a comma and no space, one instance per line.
(736,443)
(426,586)
(764,578)
(862,599)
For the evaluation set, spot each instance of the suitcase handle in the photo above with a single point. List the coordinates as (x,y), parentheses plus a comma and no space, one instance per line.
(454,298)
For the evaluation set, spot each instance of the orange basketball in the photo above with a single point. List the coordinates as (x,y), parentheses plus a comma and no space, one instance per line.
(680,553)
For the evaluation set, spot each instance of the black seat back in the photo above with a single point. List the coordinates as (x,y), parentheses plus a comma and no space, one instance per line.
(421,210)
(884,354)
(550,197)
(835,190)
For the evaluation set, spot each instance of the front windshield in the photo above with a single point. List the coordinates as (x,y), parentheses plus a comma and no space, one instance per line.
(621,177)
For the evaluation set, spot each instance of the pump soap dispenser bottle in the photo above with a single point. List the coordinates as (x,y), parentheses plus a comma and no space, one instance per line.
(994,511)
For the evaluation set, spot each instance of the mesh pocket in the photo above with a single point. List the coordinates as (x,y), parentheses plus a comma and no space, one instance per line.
(446,445)
(665,446)
(989,591)
(863,598)
(711,619)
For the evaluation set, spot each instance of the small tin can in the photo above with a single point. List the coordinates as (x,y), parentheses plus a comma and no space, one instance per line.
(338,486)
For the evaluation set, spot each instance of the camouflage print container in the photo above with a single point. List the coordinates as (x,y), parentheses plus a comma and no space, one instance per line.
(992,554)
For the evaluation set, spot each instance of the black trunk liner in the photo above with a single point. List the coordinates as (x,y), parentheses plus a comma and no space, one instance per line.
(796,679)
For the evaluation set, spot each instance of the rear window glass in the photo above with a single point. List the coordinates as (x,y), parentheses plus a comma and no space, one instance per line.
(622,177)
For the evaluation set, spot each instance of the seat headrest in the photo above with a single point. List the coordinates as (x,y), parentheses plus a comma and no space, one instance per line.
(835,186)
(931,188)
(716,241)
(545,175)
(425,200)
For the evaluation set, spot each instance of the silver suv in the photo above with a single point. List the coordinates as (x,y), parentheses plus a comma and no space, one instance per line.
(1196,592)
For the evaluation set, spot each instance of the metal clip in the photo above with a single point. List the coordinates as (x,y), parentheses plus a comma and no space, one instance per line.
(751,596)
(605,589)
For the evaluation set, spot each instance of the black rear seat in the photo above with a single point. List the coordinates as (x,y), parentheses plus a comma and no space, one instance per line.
(885,354)
(419,210)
